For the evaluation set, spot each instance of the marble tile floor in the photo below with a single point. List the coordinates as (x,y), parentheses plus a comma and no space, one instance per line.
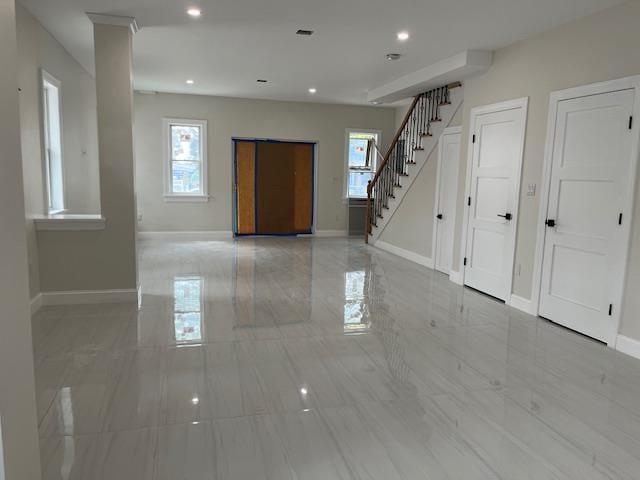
(323,359)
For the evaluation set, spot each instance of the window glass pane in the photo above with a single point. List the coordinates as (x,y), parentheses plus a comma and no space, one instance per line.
(185,177)
(56,182)
(358,149)
(358,183)
(53,147)
(185,142)
(357,152)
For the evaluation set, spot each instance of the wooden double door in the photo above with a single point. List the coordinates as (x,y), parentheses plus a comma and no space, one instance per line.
(273,187)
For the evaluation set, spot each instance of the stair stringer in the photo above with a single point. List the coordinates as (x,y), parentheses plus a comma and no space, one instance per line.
(429,144)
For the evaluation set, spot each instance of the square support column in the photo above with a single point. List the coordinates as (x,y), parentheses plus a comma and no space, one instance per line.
(103,261)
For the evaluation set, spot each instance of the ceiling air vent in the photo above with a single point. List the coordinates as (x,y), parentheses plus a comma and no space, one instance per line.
(393,56)
(261,80)
(304,33)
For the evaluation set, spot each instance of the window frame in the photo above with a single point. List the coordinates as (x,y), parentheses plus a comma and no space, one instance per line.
(345,193)
(47,78)
(169,194)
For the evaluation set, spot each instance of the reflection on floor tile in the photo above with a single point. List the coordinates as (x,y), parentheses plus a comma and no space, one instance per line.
(323,359)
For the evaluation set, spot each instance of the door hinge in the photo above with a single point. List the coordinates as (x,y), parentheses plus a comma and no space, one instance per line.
(465,261)
(631,123)
(469,201)
(620,219)
(610,309)
(473,139)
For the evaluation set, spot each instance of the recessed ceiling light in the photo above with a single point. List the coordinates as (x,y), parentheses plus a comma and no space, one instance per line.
(194,12)
(304,33)
(190,82)
(403,36)
(393,56)
(261,80)
(312,90)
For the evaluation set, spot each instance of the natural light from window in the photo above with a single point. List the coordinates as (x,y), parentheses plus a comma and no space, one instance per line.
(356,307)
(360,168)
(53,143)
(186,169)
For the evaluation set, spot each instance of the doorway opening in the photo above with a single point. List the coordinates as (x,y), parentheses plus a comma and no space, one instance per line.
(273,187)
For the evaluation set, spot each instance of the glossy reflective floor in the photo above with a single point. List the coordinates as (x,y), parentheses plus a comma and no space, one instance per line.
(323,359)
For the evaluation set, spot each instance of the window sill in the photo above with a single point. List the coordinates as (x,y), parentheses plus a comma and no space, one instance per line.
(186,198)
(70,222)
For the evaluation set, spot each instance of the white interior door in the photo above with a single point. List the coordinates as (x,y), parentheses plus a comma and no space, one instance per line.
(585,242)
(447,188)
(496,160)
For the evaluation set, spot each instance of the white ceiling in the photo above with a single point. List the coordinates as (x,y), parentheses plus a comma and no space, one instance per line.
(235,42)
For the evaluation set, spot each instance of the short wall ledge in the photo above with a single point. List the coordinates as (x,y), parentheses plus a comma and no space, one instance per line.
(69,222)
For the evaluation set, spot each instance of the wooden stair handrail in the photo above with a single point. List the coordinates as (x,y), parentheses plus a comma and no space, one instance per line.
(397,136)
(432,99)
(393,143)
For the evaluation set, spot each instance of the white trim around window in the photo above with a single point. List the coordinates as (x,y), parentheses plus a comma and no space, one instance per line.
(169,195)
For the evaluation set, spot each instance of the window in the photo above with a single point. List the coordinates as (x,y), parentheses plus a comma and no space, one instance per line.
(360,170)
(187,309)
(186,159)
(52,132)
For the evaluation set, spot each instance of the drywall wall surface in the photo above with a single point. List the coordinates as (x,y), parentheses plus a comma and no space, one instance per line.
(243,118)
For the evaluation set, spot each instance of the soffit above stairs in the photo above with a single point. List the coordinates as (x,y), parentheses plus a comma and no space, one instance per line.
(457,68)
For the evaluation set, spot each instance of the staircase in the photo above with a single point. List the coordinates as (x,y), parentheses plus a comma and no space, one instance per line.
(430,113)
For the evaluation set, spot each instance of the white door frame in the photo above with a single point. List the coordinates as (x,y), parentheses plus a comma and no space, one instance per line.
(523,105)
(447,131)
(554,99)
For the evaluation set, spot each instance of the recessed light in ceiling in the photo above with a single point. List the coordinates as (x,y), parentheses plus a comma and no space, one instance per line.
(393,56)
(403,36)
(312,90)
(261,80)
(194,12)
(190,82)
(304,33)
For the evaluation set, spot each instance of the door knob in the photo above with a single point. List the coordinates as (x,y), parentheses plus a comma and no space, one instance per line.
(506,216)
(550,223)
(439,216)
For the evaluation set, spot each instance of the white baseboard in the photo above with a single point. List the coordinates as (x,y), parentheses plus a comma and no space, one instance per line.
(406,254)
(629,346)
(455,277)
(521,304)
(85,297)
(331,233)
(36,303)
(186,236)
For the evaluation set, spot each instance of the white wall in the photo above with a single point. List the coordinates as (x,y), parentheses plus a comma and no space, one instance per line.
(21,459)
(601,47)
(411,227)
(233,117)
(38,49)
